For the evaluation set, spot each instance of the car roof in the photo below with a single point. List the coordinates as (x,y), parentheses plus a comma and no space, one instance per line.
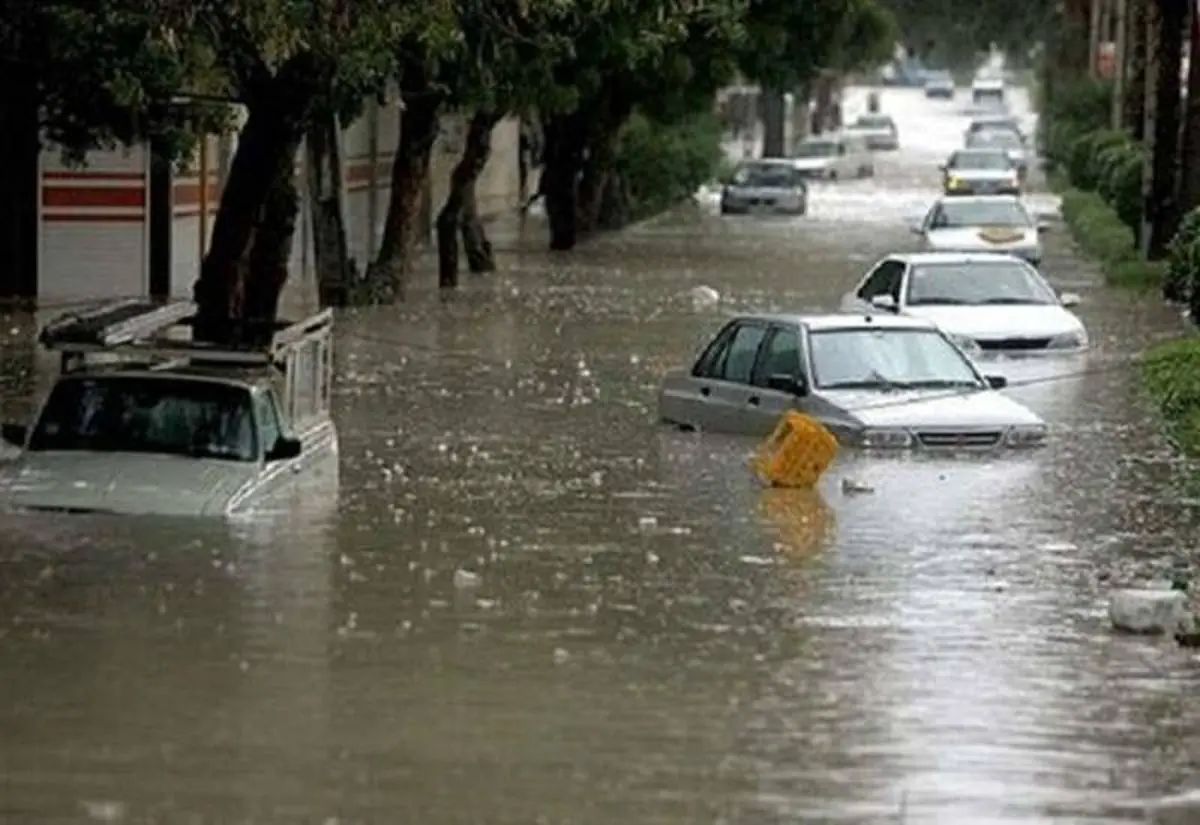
(844,320)
(979,199)
(926,258)
(246,379)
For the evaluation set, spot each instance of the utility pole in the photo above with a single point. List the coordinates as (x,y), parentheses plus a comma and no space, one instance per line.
(1118,99)
(1094,39)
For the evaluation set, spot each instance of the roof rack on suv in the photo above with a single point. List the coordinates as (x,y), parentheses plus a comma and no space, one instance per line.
(150,332)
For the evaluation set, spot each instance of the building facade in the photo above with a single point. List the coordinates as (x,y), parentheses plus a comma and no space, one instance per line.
(97,231)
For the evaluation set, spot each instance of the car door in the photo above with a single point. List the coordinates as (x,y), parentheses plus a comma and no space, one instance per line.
(885,279)
(728,382)
(844,163)
(781,354)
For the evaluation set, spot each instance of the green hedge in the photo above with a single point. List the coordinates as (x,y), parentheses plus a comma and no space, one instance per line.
(662,164)
(1171,375)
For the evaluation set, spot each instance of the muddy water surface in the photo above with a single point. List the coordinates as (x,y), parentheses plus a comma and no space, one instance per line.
(636,632)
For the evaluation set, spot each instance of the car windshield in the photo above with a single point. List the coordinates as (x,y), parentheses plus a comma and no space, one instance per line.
(979,283)
(996,137)
(173,416)
(817,149)
(992,123)
(937,77)
(764,174)
(873,122)
(991,160)
(887,359)
(954,212)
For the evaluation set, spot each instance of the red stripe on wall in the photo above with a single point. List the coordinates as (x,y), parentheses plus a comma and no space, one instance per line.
(68,196)
(86,174)
(99,217)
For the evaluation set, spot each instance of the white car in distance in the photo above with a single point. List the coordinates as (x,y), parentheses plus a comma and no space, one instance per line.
(834,157)
(987,303)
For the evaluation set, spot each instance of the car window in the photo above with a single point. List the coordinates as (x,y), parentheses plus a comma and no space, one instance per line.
(959,212)
(780,355)
(172,416)
(885,280)
(706,364)
(990,160)
(737,364)
(267,413)
(764,174)
(978,283)
(841,148)
(884,358)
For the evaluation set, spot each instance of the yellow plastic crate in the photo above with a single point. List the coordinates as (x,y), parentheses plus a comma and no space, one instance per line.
(797,454)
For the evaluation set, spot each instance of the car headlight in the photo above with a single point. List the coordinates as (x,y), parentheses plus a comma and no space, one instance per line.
(966,343)
(1028,435)
(1069,340)
(953,182)
(885,438)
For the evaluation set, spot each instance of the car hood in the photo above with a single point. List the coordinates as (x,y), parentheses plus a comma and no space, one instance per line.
(131,484)
(1000,321)
(982,238)
(812,163)
(932,408)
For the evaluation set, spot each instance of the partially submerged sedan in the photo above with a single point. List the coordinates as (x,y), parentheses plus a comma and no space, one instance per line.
(879,132)
(984,223)
(144,422)
(876,381)
(987,303)
(980,172)
(768,185)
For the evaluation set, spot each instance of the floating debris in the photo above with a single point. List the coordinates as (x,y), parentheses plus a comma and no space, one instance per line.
(851,487)
(465,579)
(1149,611)
(704,297)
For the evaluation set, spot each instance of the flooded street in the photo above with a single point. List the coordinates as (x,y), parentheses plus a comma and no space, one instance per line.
(533,605)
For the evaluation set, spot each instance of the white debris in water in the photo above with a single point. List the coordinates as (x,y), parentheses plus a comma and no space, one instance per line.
(760,561)
(651,557)
(851,487)
(1148,611)
(560,656)
(464,579)
(647,523)
(103,810)
(704,297)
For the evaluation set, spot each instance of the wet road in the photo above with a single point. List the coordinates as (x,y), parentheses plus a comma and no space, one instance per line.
(636,632)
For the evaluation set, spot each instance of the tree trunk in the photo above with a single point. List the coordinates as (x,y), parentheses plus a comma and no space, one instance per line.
(1170,17)
(1134,102)
(270,254)
(480,256)
(454,217)
(615,203)
(410,176)
(20,185)
(336,273)
(565,136)
(263,166)
(1189,189)
(774,113)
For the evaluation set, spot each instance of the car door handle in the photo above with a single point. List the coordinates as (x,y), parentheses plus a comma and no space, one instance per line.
(753,400)
(705,391)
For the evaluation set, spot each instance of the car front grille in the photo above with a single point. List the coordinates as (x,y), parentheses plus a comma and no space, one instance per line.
(1014,344)
(959,439)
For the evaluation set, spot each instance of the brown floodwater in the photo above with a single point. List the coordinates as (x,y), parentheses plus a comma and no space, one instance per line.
(530,604)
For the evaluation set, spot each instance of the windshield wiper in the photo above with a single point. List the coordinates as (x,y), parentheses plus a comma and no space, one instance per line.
(876,381)
(936,300)
(943,383)
(1012,301)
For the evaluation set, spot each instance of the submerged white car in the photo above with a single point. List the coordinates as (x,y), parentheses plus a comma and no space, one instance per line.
(986,303)
(875,381)
(834,157)
(982,223)
(143,423)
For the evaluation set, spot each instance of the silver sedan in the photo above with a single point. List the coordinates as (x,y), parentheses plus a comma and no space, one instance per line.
(876,381)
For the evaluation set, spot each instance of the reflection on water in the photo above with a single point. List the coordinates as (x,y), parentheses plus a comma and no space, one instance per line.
(528,604)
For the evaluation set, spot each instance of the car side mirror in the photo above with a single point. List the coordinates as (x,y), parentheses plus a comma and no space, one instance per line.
(916,229)
(941,167)
(1069,299)
(790,384)
(284,449)
(996,382)
(14,434)
(1043,228)
(885,302)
